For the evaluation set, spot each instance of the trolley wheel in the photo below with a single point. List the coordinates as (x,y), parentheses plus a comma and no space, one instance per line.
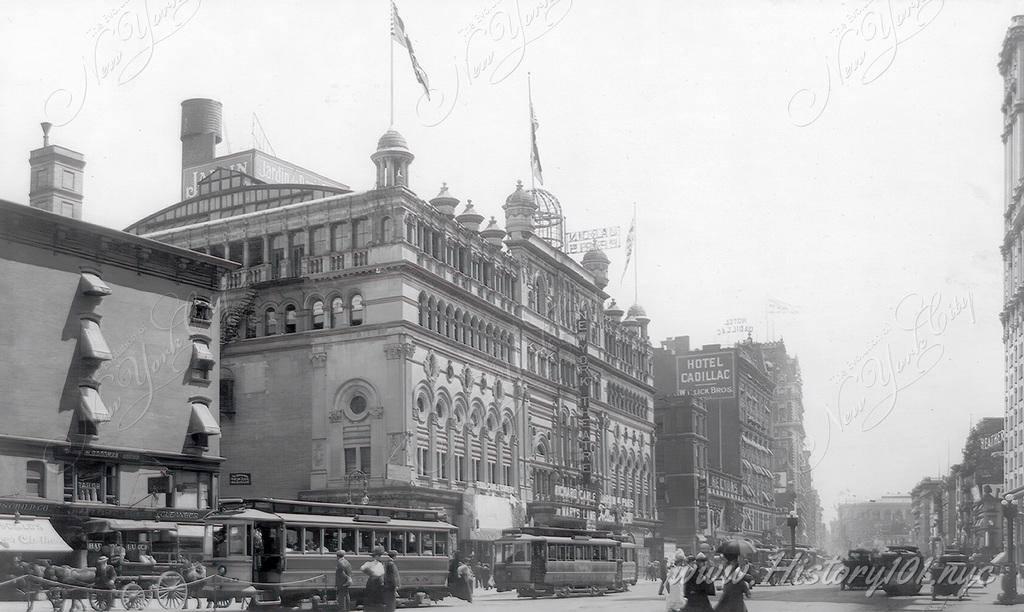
(101,601)
(171,591)
(134,597)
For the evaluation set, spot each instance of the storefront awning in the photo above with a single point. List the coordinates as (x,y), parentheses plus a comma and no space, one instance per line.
(91,407)
(202,421)
(30,535)
(108,525)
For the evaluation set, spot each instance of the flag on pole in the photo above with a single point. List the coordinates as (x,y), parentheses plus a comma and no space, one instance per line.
(399,36)
(630,239)
(534,152)
(779,307)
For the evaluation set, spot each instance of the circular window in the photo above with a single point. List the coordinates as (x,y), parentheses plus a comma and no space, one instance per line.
(357,405)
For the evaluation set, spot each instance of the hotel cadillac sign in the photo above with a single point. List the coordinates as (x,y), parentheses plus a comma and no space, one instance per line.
(707,375)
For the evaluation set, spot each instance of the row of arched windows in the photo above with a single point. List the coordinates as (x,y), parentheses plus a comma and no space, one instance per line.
(465,328)
(339,314)
(628,401)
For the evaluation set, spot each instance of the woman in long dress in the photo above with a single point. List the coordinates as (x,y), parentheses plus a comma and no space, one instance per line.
(698,585)
(735,588)
(373,593)
(676,577)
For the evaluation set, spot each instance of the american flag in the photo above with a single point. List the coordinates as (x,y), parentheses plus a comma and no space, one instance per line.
(630,239)
(534,152)
(399,35)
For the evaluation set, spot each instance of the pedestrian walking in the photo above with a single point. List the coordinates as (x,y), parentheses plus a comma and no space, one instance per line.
(342,581)
(373,592)
(677,575)
(734,587)
(104,580)
(699,585)
(392,581)
(662,575)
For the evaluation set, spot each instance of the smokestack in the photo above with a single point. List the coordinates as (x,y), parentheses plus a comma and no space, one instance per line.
(46,125)
(200,131)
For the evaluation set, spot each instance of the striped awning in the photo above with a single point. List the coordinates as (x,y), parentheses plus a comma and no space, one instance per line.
(202,421)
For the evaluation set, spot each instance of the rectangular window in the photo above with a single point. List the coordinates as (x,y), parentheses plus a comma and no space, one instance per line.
(331,540)
(357,458)
(506,474)
(35,479)
(475,471)
(91,482)
(319,241)
(422,461)
(492,472)
(291,539)
(441,459)
(348,539)
(311,537)
(460,468)
(67,180)
(365,541)
(398,542)
(427,543)
(362,233)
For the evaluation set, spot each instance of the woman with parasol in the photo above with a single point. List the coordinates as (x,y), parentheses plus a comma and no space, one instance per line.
(735,586)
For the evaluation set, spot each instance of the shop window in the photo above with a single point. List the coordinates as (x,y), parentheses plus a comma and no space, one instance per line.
(193,490)
(35,479)
(356,311)
(86,481)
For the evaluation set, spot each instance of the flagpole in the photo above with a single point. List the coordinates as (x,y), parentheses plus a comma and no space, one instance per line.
(529,109)
(636,256)
(391,45)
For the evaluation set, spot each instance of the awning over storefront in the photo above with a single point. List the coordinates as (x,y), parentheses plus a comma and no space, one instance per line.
(91,407)
(108,525)
(30,535)
(760,447)
(202,421)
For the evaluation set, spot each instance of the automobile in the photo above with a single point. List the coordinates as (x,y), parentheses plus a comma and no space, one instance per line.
(951,573)
(902,568)
(858,564)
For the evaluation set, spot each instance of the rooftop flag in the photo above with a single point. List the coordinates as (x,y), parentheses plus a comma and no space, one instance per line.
(534,152)
(399,36)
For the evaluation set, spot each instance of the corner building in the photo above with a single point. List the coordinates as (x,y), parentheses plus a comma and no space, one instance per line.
(109,384)
(397,350)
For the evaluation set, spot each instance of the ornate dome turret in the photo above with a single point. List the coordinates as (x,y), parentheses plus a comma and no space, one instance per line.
(638,314)
(470,219)
(445,202)
(613,311)
(596,262)
(493,234)
(519,210)
(392,159)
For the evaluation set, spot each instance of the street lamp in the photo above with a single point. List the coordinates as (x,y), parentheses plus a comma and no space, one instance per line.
(358,475)
(792,521)
(1009,594)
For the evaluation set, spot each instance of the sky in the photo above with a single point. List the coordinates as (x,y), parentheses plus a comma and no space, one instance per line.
(841,157)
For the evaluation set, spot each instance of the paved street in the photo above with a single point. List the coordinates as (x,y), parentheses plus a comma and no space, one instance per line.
(644,597)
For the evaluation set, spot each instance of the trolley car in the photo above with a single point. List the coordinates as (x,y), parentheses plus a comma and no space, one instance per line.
(285,550)
(537,562)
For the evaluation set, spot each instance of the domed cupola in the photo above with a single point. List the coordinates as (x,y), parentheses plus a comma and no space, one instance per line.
(519,210)
(613,312)
(596,262)
(470,219)
(444,202)
(493,234)
(638,314)
(392,159)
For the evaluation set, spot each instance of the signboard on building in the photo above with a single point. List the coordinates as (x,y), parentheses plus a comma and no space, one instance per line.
(256,164)
(158,484)
(702,504)
(707,375)
(781,482)
(240,478)
(585,240)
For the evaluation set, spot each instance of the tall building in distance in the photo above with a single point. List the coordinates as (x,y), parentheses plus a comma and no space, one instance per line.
(872,524)
(794,484)
(736,391)
(1011,64)
(57,178)
(411,352)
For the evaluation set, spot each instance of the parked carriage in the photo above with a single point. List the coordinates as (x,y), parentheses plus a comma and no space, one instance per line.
(285,550)
(537,562)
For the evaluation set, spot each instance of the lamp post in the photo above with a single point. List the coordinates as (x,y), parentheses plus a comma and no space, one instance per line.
(358,475)
(792,521)
(1009,594)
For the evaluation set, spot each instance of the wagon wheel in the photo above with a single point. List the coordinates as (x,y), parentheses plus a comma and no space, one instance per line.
(134,597)
(171,591)
(101,601)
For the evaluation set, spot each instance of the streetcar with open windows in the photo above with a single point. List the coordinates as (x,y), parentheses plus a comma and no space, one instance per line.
(286,550)
(539,561)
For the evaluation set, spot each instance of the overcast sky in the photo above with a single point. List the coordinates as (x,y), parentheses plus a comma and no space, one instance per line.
(816,153)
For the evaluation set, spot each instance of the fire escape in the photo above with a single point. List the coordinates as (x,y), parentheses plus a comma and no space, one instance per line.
(238,313)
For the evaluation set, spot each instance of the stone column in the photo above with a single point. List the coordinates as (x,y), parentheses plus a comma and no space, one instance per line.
(245,250)
(321,451)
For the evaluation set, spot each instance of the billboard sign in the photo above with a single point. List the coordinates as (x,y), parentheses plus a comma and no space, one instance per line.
(256,164)
(707,375)
(600,238)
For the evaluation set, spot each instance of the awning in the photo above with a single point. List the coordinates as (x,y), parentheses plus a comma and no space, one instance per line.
(91,407)
(30,535)
(91,344)
(748,491)
(202,421)
(201,352)
(107,525)
(747,464)
(94,285)
(767,498)
(760,447)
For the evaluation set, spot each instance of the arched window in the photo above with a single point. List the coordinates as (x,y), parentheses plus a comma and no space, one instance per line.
(290,319)
(337,312)
(270,322)
(423,310)
(35,479)
(355,316)
(318,315)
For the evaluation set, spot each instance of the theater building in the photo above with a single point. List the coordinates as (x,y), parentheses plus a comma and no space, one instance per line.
(735,391)
(110,377)
(386,348)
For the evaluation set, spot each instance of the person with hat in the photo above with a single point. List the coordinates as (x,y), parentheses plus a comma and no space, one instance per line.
(698,585)
(373,593)
(392,581)
(734,587)
(674,583)
(104,580)
(342,581)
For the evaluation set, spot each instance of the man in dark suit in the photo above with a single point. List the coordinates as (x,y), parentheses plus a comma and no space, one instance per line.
(342,580)
(392,581)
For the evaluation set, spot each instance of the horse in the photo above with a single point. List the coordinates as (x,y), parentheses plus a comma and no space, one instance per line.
(194,575)
(70,578)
